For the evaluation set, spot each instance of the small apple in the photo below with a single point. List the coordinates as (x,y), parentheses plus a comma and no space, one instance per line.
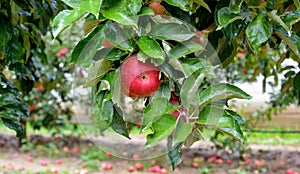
(30,159)
(154,169)
(43,163)
(289,171)
(41,89)
(163,171)
(153,162)
(139,166)
(21,168)
(32,107)
(64,51)
(157,8)
(139,79)
(66,149)
(131,169)
(277,138)
(76,150)
(245,70)
(58,162)
(219,161)
(3,143)
(59,55)
(135,156)
(258,163)
(108,154)
(54,170)
(229,162)
(195,164)
(8,76)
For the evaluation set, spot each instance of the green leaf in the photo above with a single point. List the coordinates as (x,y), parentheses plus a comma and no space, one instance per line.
(13,52)
(109,53)
(183,4)
(174,155)
(235,6)
(291,18)
(221,120)
(225,17)
(118,124)
(152,48)
(5,30)
(117,10)
(182,131)
(134,6)
(107,111)
(72,3)
(201,3)
(119,36)
(292,41)
(16,126)
(154,111)
(85,50)
(161,128)
(190,88)
(146,11)
(184,48)
(163,91)
(191,65)
(91,6)
(296,84)
(171,31)
(221,91)
(96,71)
(259,30)
(273,15)
(64,19)
(232,30)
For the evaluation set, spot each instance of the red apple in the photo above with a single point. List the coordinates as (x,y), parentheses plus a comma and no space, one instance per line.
(139,79)
(41,89)
(32,107)
(157,8)
(135,157)
(64,51)
(131,169)
(58,162)
(3,143)
(59,55)
(219,161)
(54,170)
(8,76)
(229,162)
(245,70)
(289,171)
(195,164)
(43,163)
(29,159)
(108,154)
(139,166)
(163,171)
(21,168)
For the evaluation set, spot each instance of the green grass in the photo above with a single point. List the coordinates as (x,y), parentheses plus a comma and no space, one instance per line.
(270,139)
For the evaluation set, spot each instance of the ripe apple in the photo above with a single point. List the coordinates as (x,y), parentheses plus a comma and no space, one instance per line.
(41,89)
(108,154)
(245,70)
(64,51)
(163,171)
(139,166)
(131,169)
(139,79)
(58,162)
(289,171)
(229,162)
(157,8)
(59,55)
(29,159)
(32,107)
(43,163)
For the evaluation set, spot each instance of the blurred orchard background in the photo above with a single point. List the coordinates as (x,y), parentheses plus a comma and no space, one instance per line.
(58,135)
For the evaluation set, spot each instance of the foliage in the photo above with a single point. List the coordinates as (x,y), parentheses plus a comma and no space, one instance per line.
(34,82)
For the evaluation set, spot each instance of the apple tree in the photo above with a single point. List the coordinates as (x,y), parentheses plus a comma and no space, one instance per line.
(188,43)
(33,69)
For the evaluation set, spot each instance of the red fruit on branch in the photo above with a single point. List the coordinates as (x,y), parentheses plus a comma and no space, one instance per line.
(139,79)
(157,8)
(41,89)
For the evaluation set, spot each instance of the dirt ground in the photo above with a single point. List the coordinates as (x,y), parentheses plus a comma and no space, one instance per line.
(261,159)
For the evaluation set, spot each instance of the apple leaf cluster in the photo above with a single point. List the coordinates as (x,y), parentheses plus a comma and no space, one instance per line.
(187,70)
